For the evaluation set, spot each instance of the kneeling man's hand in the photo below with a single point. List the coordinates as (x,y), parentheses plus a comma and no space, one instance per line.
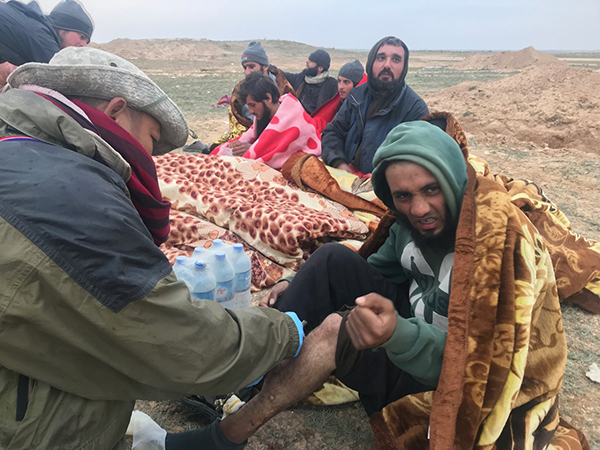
(239,148)
(372,322)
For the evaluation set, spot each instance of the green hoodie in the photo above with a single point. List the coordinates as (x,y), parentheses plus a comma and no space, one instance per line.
(417,344)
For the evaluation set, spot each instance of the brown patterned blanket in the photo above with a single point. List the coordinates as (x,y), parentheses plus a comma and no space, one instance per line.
(245,201)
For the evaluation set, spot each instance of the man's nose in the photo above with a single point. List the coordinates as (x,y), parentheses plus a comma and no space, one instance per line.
(420,207)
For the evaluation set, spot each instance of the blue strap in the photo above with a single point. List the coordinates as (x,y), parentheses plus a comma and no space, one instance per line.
(300,328)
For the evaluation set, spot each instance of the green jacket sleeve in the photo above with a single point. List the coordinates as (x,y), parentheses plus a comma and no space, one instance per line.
(158,347)
(417,348)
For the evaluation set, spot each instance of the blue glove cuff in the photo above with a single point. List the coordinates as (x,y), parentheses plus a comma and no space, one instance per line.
(256,382)
(300,328)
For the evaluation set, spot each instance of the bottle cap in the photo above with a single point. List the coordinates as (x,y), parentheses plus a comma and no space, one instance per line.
(220,255)
(238,247)
(200,264)
(180,259)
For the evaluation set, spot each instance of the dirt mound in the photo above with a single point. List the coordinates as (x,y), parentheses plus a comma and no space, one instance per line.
(509,60)
(550,106)
(164,49)
(204,54)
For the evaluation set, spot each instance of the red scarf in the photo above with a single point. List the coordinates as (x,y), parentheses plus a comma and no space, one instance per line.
(143,184)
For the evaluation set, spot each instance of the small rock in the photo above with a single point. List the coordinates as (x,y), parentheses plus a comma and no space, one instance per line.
(594,373)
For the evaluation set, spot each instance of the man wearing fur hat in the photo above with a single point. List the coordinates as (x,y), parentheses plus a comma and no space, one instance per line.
(313,85)
(254,59)
(372,109)
(92,316)
(28,35)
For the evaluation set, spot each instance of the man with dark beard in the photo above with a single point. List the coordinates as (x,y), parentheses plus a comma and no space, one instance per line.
(395,304)
(372,109)
(261,96)
(281,126)
(254,59)
(313,85)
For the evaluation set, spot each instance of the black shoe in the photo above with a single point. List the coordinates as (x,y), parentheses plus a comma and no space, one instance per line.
(197,147)
(209,437)
(212,407)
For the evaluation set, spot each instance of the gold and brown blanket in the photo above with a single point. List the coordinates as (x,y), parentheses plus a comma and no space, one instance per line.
(505,351)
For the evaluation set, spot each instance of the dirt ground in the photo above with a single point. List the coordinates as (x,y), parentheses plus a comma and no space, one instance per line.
(530,115)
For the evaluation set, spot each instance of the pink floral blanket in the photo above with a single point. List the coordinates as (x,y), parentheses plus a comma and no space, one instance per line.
(291,130)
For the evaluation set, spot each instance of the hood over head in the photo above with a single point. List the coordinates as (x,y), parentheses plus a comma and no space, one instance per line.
(429,146)
(371,60)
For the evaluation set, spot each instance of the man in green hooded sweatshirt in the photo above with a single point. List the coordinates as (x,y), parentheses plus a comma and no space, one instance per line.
(399,296)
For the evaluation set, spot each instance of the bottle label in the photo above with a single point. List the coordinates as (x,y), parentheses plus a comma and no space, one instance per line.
(243,281)
(224,291)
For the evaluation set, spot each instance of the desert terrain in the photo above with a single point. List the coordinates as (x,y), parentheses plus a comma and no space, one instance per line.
(530,114)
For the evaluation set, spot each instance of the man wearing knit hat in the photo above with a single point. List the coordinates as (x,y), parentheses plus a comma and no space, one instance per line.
(254,59)
(372,109)
(28,35)
(313,85)
(349,76)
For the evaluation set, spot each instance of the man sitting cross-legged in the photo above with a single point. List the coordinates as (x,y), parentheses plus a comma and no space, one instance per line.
(506,335)
(281,126)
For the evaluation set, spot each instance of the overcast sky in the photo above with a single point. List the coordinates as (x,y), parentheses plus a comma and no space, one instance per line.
(352,24)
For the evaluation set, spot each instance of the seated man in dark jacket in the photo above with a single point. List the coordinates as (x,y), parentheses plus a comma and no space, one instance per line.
(313,85)
(28,35)
(371,110)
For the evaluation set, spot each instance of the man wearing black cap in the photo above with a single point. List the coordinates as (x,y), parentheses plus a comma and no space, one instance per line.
(313,85)
(349,76)
(372,109)
(254,59)
(28,35)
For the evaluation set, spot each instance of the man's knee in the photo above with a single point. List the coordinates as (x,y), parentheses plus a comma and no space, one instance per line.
(337,255)
(328,330)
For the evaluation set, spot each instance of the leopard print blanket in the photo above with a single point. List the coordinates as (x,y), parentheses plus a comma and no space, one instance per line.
(247,202)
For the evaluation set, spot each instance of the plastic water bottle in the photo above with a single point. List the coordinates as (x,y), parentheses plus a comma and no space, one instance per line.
(201,254)
(243,277)
(225,278)
(204,283)
(182,271)
(219,246)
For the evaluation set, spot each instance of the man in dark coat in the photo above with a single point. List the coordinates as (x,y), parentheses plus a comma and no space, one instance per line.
(372,109)
(313,85)
(28,35)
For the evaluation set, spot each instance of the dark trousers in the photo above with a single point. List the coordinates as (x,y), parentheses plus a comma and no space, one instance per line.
(330,281)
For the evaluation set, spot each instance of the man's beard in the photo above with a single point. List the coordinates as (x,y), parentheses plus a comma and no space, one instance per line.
(385,86)
(263,122)
(312,72)
(441,241)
